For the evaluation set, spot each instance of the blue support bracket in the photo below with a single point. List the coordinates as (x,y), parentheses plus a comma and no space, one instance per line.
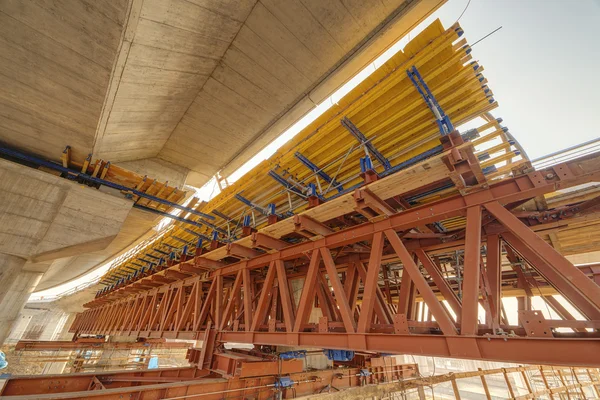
(443,121)
(292,355)
(315,168)
(214,236)
(339,355)
(362,139)
(283,382)
(365,164)
(271,209)
(247,221)
(74,174)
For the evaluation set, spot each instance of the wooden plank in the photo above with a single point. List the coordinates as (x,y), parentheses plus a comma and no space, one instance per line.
(432,170)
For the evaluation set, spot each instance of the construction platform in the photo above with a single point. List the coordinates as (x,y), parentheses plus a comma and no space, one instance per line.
(380,229)
(421,227)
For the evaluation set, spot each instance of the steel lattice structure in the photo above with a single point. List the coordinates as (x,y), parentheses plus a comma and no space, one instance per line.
(251,300)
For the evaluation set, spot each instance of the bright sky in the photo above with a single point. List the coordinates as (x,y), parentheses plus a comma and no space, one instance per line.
(542,67)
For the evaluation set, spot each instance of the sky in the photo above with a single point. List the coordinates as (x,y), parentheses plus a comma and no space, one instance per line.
(543,67)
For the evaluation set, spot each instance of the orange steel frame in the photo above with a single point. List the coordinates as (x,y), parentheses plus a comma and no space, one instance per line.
(250,301)
(181,383)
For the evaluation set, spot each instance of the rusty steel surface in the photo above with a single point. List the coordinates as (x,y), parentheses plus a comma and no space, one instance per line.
(171,383)
(97,344)
(252,301)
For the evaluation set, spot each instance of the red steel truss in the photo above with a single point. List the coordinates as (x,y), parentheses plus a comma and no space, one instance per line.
(272,297)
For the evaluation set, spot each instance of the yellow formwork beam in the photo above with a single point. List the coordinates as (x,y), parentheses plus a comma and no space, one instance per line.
(388,110)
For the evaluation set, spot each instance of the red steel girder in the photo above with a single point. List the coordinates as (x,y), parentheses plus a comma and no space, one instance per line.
(369,324)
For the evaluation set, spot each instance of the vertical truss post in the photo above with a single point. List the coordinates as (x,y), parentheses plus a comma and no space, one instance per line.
(286,299)
(470,299)
(370,284)
(436,308)
(231,301)
(248,296)
(556,260)
(262,307)
(338,290)
(440,282)
(308,291)
(406,297)
(494,275)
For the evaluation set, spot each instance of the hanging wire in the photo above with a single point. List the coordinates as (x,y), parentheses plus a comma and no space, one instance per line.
(463,12)
(488,35)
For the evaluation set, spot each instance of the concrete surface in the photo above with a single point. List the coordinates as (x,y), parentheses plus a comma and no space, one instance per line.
(42,218)
(203,85)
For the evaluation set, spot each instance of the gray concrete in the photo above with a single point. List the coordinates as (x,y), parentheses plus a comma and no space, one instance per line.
(202,84)
(15,300)
(45,218)
(10,267)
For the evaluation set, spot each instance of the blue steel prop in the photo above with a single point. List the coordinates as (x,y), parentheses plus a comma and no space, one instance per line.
(315,168)
(362,139)
(284,182)
(442,119)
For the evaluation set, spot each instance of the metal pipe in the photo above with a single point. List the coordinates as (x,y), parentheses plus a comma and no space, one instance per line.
(73,174)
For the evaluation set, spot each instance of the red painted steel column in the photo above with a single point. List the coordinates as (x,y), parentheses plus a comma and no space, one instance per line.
(493,269)
(470,300)
(563,266)
(338,290)
(284,293)
(421,284)
(248,296)
(261,308)
(231,301)
(370,284)
(440,282)
(308,291)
